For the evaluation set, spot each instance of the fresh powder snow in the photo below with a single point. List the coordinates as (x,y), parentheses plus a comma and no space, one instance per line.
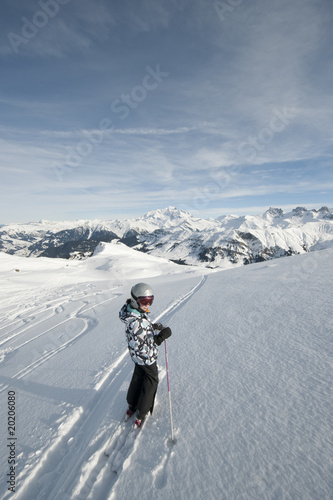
(250,363)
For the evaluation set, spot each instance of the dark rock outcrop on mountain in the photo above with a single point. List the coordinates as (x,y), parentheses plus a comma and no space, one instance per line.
(181,237)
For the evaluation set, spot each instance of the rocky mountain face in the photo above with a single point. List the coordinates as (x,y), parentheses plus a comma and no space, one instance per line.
(180,237)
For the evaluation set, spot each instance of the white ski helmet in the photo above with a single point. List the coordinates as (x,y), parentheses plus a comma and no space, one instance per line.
(141,293)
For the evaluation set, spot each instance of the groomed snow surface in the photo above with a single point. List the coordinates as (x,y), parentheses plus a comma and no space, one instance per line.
(250,364)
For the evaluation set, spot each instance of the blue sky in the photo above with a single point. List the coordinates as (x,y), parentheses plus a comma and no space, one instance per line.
(110,109)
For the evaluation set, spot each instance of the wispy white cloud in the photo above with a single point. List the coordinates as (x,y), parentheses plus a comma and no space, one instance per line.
(68,134)
(213,117)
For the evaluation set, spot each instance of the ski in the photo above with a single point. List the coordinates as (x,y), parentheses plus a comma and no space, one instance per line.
(138,424)
(128,415)
(113,441)
(126,448)
(122,443)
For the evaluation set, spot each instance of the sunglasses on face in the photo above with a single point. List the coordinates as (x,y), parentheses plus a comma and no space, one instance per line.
(146,301)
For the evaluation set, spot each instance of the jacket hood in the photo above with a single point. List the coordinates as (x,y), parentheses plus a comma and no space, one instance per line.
(128,312)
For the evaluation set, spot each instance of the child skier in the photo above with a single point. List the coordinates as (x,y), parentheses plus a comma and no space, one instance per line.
(143,337)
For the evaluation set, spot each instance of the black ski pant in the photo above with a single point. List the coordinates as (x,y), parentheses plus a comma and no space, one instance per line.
(142,390)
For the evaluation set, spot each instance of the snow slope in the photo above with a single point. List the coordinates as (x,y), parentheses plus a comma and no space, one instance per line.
(251,376)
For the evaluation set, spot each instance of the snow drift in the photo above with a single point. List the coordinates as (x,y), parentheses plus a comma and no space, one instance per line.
(250,367)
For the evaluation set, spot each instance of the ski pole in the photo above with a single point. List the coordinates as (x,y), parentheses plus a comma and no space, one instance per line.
(169,391)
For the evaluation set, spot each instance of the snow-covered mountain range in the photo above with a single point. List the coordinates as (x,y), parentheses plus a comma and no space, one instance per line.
(180,237)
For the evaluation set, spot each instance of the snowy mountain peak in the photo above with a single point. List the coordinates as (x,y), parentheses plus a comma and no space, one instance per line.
(299,210)
(167,213)
(181,237)
(274,212)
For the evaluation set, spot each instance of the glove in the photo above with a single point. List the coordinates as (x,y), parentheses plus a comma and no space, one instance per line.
(163,335)
(158,326)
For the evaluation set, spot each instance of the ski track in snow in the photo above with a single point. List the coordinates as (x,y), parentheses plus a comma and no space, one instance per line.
(172,310)
(75,460)
(78,315)
(76,445)
(251,354)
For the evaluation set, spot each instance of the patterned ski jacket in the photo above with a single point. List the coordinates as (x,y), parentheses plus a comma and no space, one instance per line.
(140,335)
